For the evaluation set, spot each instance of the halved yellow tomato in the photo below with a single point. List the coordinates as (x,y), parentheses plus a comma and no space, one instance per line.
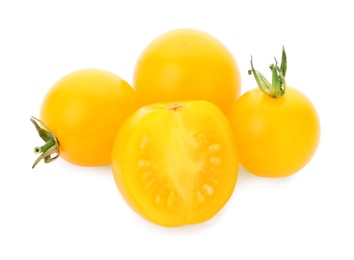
(176,163)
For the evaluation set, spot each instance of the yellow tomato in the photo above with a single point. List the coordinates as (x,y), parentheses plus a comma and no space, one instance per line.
(275,137)
(84,110)
(277,128)
(186,64)
(176,163)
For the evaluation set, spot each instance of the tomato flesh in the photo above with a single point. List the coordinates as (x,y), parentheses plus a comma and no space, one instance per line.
(176,164)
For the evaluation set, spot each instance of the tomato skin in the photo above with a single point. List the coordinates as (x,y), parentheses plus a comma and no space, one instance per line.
(275,137)
(175,163)
(84,110)
(187,64)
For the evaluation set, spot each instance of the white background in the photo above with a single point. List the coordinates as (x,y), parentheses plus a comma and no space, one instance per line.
(62,211)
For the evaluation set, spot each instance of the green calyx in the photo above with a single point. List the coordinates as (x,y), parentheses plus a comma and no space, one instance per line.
(277,88)
(50,150)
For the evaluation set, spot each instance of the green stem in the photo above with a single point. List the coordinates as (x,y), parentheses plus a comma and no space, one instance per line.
(50,150)
(44,147)
(277,88)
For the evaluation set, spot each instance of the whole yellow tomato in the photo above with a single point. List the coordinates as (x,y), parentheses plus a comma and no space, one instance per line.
(176,163)
(83,111)
(277,128)
(187,64)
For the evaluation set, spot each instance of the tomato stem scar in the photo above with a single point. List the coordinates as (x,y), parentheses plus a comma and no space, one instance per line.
(175,107)
(50,150)
(277,88)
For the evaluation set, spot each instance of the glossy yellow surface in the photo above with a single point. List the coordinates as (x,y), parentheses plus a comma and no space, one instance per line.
(84,110)
(275,137)
(186,64)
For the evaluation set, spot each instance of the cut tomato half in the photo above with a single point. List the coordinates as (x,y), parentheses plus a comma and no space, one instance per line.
(176,163)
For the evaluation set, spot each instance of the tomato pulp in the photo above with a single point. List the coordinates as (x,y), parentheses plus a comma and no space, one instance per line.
(176,163)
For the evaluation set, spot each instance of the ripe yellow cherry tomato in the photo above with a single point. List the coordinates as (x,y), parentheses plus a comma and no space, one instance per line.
(176,163)
(275,137)
(277,129)
(186,64)
(84,110)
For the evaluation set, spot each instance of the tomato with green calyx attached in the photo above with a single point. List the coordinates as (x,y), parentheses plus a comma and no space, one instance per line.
(176,163)
(80,116)
(276,127)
